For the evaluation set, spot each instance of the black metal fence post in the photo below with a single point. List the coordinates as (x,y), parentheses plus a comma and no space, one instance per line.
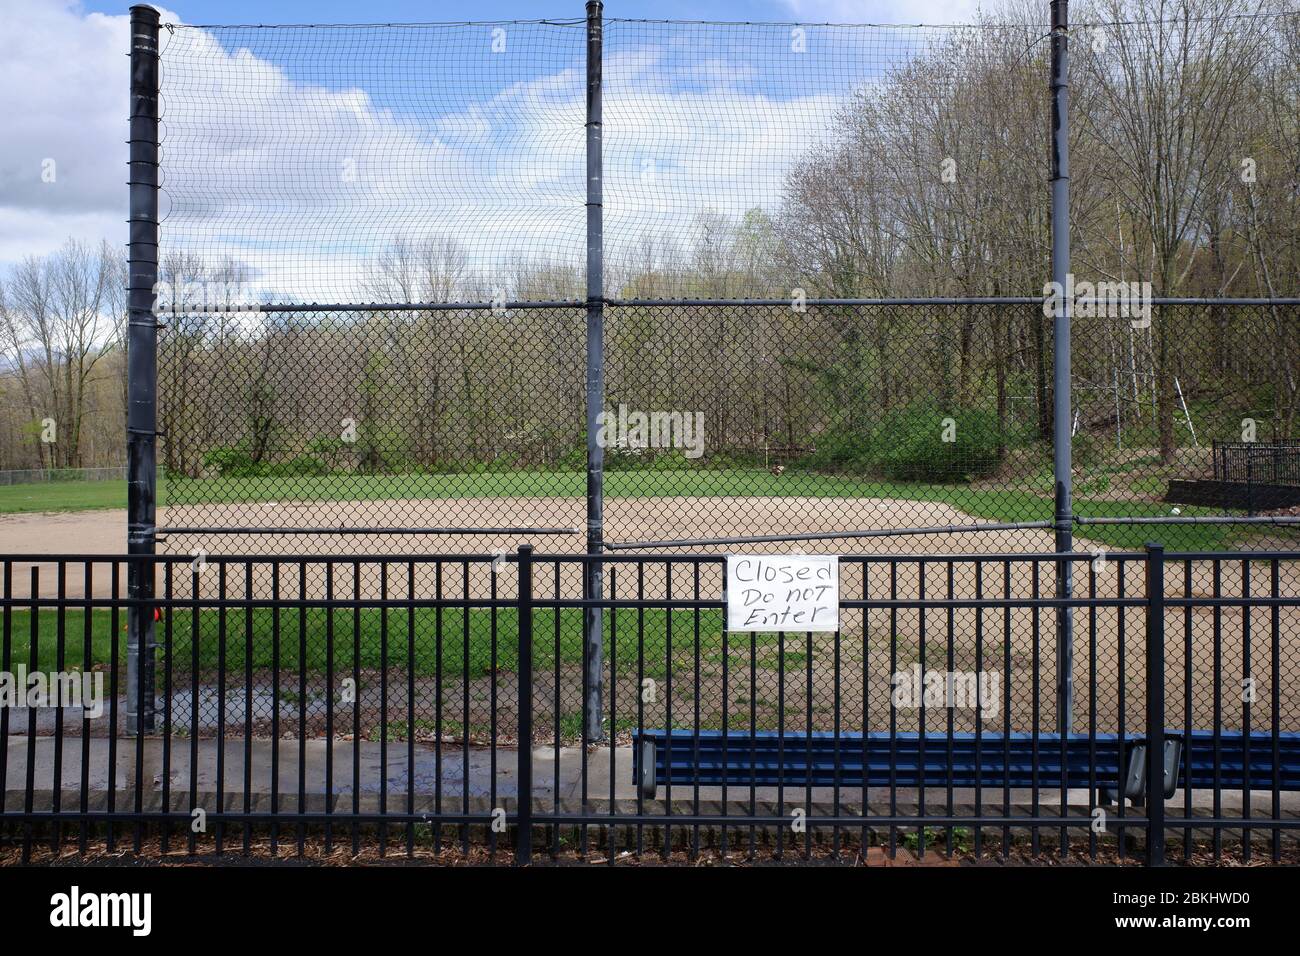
(1250,483)
(142,367)
(593,579)
(1061,417)
(524,834)
(1155,768)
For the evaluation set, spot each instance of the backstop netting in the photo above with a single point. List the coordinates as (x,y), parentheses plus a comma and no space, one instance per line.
(333,194)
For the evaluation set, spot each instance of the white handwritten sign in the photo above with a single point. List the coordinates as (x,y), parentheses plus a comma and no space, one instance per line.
(783,592)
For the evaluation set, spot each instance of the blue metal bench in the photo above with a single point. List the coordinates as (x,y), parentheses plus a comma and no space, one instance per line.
(824,759)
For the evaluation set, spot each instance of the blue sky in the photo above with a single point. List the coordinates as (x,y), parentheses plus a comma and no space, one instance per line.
(389,11)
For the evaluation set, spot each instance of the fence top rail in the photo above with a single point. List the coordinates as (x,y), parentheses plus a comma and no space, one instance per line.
(1230,556)
(1237,300)
(993,25)
(187,600)
(956,300)
(898,300)
(512,556)
(290,307)
(682,543)
(670,21)
(1191,520)
(544,21)
(1257,445)
(1037,300)
(990,558)
(217,558)
(539,530)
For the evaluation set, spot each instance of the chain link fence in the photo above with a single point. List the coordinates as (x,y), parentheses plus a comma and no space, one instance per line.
(819,252)
(808,234)
(722,421)
(31,476)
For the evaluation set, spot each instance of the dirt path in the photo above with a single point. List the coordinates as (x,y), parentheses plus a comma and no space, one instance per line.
(641,519)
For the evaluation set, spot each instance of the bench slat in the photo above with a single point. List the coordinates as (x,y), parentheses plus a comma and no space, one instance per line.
(711,758)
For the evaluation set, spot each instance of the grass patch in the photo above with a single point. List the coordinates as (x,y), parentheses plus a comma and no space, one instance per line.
(62,496)
(467,645)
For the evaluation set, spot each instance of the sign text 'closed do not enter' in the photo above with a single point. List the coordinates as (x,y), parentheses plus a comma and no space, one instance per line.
(783,592)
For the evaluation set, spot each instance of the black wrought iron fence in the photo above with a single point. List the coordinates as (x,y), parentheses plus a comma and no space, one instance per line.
(1267,462)
(412,699)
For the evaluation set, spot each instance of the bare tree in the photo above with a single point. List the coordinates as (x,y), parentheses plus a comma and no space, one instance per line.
(58,324)
(1166,94)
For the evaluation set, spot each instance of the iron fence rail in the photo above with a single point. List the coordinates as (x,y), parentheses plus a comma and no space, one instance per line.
(409,699)
(1275,461)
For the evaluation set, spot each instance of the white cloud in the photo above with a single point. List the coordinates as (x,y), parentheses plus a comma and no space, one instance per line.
(262,179)
(63,96)
(725,147)
(306,182)
(35,231)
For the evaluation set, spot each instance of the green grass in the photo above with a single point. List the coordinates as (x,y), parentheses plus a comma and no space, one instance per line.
(62,496)
(367,639)
(936,840)
(983,503)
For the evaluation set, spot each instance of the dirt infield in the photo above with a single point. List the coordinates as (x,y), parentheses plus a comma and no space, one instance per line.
(630,520)
(627,520)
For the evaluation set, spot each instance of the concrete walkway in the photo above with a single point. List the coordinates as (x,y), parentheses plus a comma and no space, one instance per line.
(489,779)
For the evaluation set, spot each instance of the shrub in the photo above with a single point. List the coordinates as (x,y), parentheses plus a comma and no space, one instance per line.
(234,462)
(333,451)
(231,462)
(618,458)
(302,465)
(575,459)
(842,448)
(65,474)
(909,444)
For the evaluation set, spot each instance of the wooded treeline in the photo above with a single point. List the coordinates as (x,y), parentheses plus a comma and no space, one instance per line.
(1185,173)
(62,377)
